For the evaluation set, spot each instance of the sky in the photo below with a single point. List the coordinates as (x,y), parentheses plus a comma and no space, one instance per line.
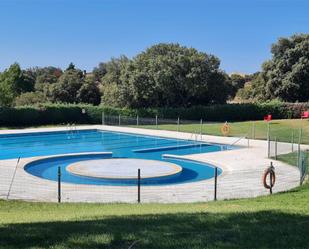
(86,32)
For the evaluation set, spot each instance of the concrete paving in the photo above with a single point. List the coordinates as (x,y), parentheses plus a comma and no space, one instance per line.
(241,178)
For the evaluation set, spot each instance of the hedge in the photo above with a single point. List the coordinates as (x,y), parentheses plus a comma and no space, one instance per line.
(64,113)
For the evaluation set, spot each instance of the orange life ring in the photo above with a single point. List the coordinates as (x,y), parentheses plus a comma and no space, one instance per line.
(268,171)
(225,129)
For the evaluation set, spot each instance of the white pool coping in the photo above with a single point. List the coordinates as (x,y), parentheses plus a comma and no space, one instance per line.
(241,178)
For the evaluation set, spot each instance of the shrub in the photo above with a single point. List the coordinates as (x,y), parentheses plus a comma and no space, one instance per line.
(29,98)
(72,113)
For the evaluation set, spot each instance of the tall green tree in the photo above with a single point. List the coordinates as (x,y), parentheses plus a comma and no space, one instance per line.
(237,82)
(99,71)
(111,80)
(6,94)
(13,82)
(170,75)
(46,76)
(67,87)
(89,92)
(286,75)
(114,69)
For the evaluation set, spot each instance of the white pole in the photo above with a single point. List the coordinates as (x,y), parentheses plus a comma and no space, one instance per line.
(268,139)
(253,130)
(292,141)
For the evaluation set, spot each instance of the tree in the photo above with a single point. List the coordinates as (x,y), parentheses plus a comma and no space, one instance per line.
(67,87)
(170,75)
(89,92)
(286,75)
(111,95)
(11,84)
(46,76)
(30,98)
(6,94)
(71,67)
(111,80)
(27,82)
(99,71)
(237,82)
(114,69)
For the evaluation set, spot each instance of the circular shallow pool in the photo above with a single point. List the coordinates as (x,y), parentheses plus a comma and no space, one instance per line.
(123,168)
(99,169)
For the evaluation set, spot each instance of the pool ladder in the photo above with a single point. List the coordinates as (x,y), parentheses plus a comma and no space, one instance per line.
(240,139)
(71,127)
(194,136)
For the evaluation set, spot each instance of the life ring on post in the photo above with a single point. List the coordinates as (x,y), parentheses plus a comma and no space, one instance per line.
(225,129)
(272,177)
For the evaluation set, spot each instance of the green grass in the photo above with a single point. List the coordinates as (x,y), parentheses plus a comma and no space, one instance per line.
(278,221)
(290,158)
(280,129)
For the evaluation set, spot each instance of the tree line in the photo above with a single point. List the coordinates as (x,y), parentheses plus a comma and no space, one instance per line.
(164,75)
(285,76)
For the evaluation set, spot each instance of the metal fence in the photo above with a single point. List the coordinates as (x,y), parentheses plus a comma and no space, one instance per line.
(26,187)
(303,165)
(284,144)
(255,130)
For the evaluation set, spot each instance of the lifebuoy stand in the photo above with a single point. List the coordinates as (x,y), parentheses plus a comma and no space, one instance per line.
(272,178)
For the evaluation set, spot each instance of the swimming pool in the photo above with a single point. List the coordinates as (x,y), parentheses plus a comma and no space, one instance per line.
(121,145)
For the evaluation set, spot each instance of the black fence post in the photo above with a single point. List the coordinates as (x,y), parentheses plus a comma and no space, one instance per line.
(215,189)
(139,186)
(59,184)
(271,178)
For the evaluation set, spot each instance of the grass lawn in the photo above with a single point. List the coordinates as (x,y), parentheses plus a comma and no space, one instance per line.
(282,129)
(278,221)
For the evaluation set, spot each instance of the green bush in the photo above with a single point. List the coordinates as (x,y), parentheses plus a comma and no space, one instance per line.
(71,113)
(29,98)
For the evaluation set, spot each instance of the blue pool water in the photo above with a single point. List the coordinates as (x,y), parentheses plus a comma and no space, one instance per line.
(122,145)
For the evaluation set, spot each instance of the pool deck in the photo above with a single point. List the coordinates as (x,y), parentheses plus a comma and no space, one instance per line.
(241,178)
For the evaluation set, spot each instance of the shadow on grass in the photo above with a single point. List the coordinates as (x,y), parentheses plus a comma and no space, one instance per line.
(200,230)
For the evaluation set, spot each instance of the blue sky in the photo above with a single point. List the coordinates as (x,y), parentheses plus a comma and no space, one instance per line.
(86,32)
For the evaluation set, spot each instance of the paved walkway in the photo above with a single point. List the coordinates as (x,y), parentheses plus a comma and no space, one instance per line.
(241,177)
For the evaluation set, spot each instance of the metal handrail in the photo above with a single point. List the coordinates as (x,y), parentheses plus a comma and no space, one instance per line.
(239,139)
